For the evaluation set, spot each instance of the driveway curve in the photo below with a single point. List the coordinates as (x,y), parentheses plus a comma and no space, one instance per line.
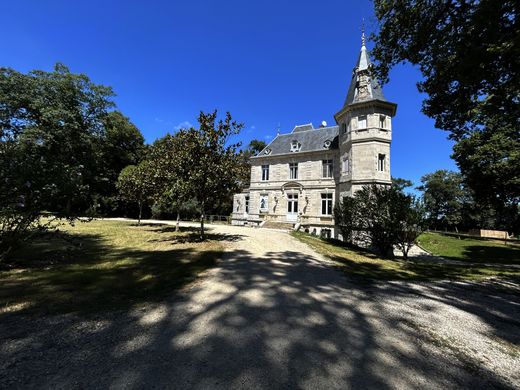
(276,315)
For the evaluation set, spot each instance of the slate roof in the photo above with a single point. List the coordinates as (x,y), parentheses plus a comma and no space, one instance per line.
(310,140)
(363,63)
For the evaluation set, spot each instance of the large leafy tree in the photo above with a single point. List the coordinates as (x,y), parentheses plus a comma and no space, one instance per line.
(211,165)
(50,127)
(444,197)
(469,55)
(382,217)
(136,184)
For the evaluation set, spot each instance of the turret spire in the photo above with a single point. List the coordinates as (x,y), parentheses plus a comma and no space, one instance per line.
(363,32)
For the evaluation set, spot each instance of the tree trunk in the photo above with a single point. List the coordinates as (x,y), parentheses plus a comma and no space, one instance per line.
(140,212)
(202,234)
(178,221)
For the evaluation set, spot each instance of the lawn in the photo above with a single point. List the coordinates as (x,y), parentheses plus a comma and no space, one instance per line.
(363,264)
(464,248)
(103,264)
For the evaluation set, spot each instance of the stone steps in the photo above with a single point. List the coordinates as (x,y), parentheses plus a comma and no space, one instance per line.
(278,225)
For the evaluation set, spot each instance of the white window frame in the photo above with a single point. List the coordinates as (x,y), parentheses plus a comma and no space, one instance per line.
(265,172)
(329,173)
(327,203)
(264,197)
(381,162)
(293,171)
(362,122)
(346,164)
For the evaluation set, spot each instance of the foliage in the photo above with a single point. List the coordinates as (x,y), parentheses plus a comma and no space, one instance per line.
(209,167)
(469,55)
(382,217)
(444,196)
(51,124)
(400,183)
(136,184)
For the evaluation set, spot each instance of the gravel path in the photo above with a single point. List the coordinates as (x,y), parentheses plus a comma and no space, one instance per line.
(274,314)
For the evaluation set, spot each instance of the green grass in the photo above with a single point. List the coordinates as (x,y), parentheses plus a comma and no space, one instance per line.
(469,249)
(102,264)
(367,265)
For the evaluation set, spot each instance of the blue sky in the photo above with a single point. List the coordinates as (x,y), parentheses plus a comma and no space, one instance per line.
(268,62)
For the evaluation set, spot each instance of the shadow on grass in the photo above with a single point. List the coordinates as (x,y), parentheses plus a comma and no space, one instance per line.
(361,263)
(63,272)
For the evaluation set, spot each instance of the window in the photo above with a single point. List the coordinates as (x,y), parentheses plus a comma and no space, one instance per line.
(326,204)
(265,172)
(292,203)
(325,234)
(264,202)
(346,164)
(247,204)
(327,168)
(382,121)
(295,146)
(293,171)
(381,162)
(343,128)
(362,122)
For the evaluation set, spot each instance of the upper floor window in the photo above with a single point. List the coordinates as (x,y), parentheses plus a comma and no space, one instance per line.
(346,164)
(295,146)
(326,204)
(382,121)
(265,172)
(327,168)
(381,162)
(362,122)
(343,127)
(293,171)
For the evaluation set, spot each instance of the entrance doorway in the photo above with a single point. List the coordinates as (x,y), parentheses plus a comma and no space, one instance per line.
(292,207)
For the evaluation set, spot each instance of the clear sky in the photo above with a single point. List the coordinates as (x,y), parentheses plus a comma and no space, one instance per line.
(269,62)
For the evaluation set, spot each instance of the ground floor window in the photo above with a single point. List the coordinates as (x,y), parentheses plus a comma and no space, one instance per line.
(292,203)
(325,233)
(326,204)
(263,202)
(247,204)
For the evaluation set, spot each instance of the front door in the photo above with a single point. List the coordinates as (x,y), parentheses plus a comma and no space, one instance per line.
(292,207)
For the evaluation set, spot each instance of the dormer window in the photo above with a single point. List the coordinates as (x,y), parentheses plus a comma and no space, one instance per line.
(267,151)
(326,144)
(295,146)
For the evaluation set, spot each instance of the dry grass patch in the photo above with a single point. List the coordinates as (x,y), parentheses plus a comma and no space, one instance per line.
(103,264)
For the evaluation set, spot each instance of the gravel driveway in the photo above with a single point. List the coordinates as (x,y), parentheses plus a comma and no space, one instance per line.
(274,314)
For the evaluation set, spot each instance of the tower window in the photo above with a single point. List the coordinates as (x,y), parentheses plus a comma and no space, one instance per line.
(382,121)
(293,171)
(362,122)
(327,168)
(265,172)
(346,164)
(381,162)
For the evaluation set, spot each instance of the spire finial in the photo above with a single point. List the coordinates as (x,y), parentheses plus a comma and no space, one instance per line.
(363,32)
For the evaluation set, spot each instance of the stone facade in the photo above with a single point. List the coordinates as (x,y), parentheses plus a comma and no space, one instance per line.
(301,175)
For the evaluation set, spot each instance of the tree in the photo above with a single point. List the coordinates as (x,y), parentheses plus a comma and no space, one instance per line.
(255,147)
(444,196)
(469,55)
(50,126)
(400,183)
(210,168)
(381,217)
(136,184)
